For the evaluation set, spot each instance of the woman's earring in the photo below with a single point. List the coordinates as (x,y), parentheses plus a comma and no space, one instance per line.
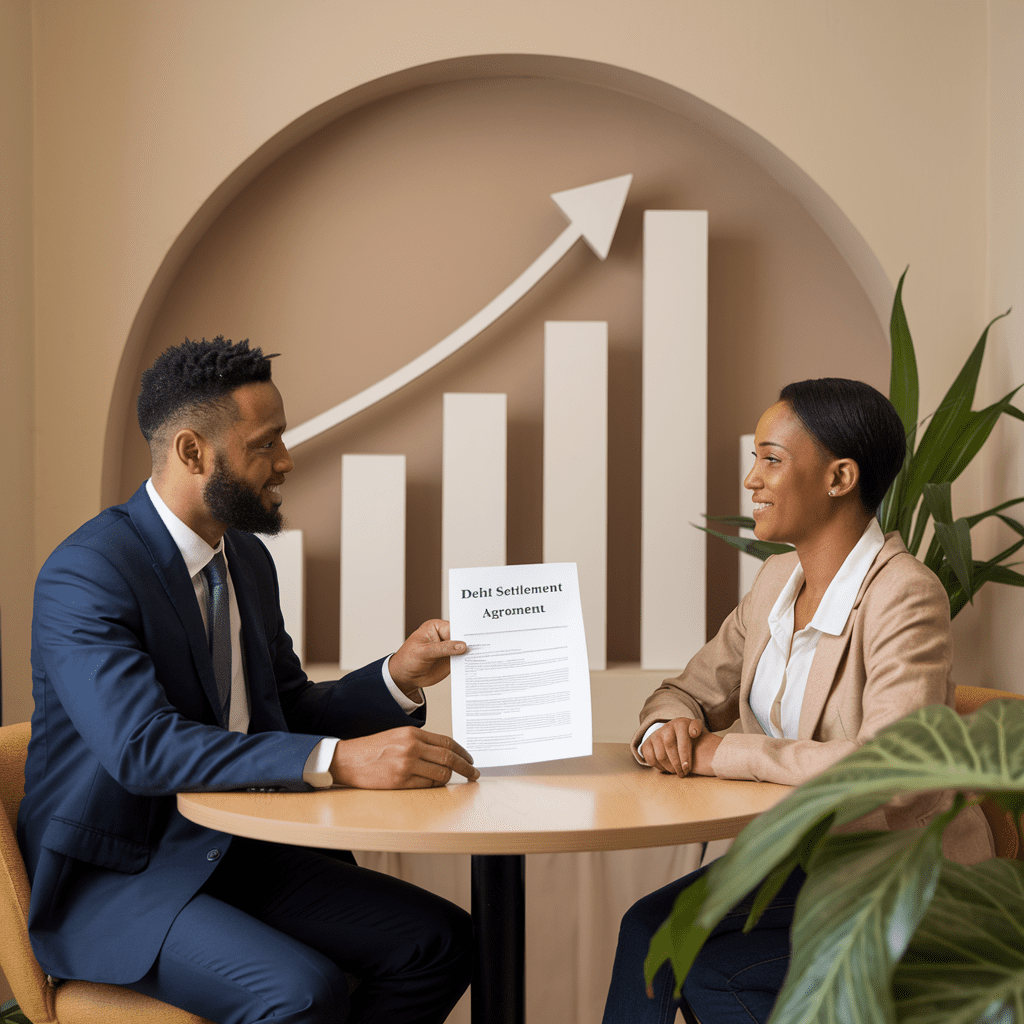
(831,494)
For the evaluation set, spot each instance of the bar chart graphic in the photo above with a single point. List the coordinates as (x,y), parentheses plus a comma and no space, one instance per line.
(576,479)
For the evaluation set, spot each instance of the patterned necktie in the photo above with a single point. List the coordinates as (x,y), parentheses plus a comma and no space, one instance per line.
(219,628)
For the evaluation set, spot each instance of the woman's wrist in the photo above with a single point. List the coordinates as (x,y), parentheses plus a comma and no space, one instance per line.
(704,748)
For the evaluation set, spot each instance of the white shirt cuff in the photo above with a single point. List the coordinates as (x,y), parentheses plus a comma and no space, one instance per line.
(317,769)
(405,702)
(651,730)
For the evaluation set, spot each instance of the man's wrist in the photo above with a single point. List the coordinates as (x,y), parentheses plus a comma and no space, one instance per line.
(409,700)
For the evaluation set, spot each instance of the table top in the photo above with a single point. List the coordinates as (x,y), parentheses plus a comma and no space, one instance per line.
(603,802)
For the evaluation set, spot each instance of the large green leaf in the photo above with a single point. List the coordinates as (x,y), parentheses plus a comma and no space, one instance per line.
(890,513)
(995,510)
(679,939)
(751,545)
(932,748)
(903,386)
(859,889)
(1014,524)
(954,538)
(968,442)
(743,522)
(950,421)
(903,393)
(966,960)
(984,572)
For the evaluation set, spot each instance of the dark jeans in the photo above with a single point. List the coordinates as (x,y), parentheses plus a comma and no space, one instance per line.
(275,929)
(735,977)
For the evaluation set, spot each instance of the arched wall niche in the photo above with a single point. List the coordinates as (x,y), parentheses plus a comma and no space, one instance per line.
(371,227)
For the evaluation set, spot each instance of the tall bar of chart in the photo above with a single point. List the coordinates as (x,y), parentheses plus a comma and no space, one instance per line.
(372,557)
(674,458)
(473,484)
(576,465)
(473,502)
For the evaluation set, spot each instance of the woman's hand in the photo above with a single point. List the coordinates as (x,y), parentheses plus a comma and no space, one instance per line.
(670,749)
(681,747)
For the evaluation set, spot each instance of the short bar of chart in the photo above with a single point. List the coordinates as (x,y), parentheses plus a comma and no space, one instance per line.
(674,457)
(749,565)
(576,465)
(372,557)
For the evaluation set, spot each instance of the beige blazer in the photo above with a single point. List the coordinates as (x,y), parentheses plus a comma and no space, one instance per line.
(894,656)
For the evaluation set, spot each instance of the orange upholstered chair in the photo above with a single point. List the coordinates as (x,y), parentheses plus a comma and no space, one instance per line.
(43,1001)
(968,699)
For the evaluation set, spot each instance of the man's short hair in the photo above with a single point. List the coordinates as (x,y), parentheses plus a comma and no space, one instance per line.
(192,384)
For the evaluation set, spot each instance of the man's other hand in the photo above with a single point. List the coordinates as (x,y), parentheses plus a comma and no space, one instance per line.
(404,758)
(423,659)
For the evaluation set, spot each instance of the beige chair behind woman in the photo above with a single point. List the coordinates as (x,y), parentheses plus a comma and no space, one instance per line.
(42,1000)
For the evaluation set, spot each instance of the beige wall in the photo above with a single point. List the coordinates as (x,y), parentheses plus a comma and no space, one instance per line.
(1003,611)
(375,237)
(17,561)
(143,108)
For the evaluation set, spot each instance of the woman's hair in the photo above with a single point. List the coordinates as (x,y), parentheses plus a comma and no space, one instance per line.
(851,420)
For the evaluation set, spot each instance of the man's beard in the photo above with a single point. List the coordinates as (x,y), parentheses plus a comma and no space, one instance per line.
(236,504)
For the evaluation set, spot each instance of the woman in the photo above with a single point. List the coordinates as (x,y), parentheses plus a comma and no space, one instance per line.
(834,641)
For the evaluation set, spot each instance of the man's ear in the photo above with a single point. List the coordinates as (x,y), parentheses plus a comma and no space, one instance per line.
(845,477)
(190,450)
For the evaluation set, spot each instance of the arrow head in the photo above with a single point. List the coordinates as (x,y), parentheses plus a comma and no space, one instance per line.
(595,210)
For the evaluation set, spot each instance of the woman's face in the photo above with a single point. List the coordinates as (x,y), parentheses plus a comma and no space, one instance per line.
(790,479)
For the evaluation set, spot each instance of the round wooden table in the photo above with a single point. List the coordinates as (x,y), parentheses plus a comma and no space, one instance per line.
(603,802)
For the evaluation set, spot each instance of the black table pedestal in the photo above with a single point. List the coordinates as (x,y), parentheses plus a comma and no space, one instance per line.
(499,935)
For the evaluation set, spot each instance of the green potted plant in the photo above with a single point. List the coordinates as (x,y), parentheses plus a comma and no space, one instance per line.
(922,492)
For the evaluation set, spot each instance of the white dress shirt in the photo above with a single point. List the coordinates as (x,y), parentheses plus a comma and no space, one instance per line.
(777,692)
(197,553)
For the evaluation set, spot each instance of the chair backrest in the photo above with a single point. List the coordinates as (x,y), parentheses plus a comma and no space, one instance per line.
(23,973)
(1004,831)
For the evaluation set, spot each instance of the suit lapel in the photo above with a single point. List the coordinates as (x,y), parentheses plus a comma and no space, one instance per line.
(757,640)
(822,677)
(170,569)
(264,706)
(824,673)
(772,579)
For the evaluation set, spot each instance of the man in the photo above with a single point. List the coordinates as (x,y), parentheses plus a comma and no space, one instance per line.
(155,671)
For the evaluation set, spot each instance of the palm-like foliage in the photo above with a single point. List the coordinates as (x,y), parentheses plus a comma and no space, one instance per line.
(886,931)
(921,492)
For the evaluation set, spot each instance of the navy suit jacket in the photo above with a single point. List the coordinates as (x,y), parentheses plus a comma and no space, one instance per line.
(126,715)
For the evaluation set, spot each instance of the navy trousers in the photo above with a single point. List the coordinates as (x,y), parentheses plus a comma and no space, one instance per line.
(736,977)
(274,931)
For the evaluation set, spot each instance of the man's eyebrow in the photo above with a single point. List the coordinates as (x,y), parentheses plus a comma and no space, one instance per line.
(275,431)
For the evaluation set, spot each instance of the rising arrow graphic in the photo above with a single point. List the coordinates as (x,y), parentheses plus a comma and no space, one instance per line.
(593,212)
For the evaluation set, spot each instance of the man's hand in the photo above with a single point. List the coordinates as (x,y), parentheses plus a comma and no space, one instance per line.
(681,747)
(423,659)
(403,758)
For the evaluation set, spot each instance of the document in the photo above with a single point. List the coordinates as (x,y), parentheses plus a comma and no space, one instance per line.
(521,693)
